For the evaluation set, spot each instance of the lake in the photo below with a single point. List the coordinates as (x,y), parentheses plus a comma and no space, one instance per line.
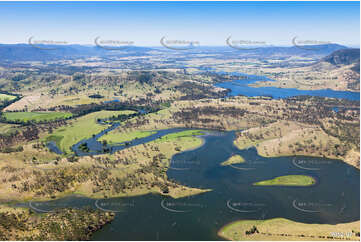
(240,87)
(334,199)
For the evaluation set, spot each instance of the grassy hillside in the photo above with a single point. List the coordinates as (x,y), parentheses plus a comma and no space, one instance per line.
(284,229)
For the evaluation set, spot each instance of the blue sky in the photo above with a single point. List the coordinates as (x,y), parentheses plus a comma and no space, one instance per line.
(210,23)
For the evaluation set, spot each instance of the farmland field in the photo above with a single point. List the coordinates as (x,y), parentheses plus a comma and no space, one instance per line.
(118,137)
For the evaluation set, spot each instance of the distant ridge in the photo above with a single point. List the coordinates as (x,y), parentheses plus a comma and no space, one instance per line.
(26,52)
(324,50)
(343,57)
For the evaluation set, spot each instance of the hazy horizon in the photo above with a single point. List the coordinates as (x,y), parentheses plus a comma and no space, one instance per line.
(160,46)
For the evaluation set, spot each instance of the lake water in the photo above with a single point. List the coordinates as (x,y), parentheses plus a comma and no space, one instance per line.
(334,199)
(240,87)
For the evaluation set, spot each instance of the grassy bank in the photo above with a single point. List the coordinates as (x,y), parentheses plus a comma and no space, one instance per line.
(284,229)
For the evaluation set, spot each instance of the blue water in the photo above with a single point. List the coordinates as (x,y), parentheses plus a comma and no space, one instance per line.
(240,87)
(54,148)
(112,101)
(232,197)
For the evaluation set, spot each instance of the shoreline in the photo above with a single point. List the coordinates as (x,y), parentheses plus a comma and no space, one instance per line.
(291,155)
(190,190)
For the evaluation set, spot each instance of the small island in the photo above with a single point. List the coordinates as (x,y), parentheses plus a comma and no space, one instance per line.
(235,159)
(290,180)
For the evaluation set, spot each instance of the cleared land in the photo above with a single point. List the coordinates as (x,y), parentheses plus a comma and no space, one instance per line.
(290,180)
(283,229)
(36,116)
(235,159)
(72,90)
(180,135)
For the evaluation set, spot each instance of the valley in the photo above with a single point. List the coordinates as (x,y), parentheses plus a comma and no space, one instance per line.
(178,135)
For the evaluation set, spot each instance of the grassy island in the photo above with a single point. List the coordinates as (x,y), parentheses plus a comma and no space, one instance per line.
(235,159)
(290,180)
(180,135)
